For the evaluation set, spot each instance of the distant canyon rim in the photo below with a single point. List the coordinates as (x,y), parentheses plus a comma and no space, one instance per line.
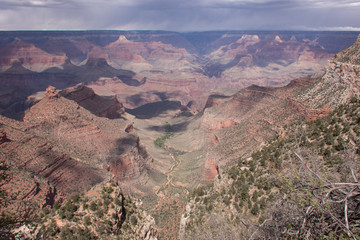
(140,67)
(160,113)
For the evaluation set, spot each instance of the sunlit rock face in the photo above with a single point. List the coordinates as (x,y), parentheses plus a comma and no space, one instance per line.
(150,66)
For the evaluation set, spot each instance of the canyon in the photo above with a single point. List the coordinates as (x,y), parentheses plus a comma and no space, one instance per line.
(82,108)
(140,67)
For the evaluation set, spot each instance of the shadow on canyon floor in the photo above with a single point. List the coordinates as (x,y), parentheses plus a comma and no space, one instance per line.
(179,127)
(151,110)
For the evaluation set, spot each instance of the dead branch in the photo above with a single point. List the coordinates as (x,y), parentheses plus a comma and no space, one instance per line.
(307,167)
(353,175)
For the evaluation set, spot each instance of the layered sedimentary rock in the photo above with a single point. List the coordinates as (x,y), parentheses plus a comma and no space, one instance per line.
(31,57)
(211,170)
(76,130)
(69,146)
(38,157)
(141,56)
(145,67)
(108,107)
(250,117)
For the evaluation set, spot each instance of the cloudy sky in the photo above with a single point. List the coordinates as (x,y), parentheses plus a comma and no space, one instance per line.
(180,15)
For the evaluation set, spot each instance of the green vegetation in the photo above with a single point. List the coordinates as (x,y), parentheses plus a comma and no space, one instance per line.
(110,215)
(296,186)
(168,133)
(14,211)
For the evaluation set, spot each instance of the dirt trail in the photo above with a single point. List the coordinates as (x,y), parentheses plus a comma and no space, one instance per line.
(169,174)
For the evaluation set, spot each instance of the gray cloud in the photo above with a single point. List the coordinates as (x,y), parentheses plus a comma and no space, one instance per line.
(181,15)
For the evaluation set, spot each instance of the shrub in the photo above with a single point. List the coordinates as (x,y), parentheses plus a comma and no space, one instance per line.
(133,220)
(255,210)
(87,220)
(93,206)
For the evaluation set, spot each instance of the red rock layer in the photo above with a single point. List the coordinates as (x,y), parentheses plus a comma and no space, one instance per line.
(252,116)
(36,155)
(108,107)
(211,170)
(29,56)
(70,147)
(77,131)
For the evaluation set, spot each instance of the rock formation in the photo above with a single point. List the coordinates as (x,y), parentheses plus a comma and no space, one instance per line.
(69,146)
(252,116)
(69,122)
(108,107)
(211,170)
(41,159)
(161,65)
(31,57)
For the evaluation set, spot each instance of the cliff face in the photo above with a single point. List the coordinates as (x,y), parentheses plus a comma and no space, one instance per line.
(143,67)
(70,147)
(108,107)
(140,56)
(94,140)
(31,57)
(44,167)
(242,122)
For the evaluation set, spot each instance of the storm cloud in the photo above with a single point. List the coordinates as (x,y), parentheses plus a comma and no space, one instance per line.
(181,15)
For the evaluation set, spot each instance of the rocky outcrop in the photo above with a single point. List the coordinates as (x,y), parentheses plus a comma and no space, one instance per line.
(211,170)
(131,163)
(68,122)
(51,92)
(313,114)
(68,147)
(108,107)
(61,148)
(140,56)
(148,230)
(40,159)
(216,124)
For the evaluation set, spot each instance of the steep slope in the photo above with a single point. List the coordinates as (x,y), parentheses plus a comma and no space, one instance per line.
(150,66)
(100,106)
(350,55)
(66,145)
(29,56)
(94,140)
(292,186)
(301,183)
(141,56)
(103,212)
(339,82)
(43,165)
